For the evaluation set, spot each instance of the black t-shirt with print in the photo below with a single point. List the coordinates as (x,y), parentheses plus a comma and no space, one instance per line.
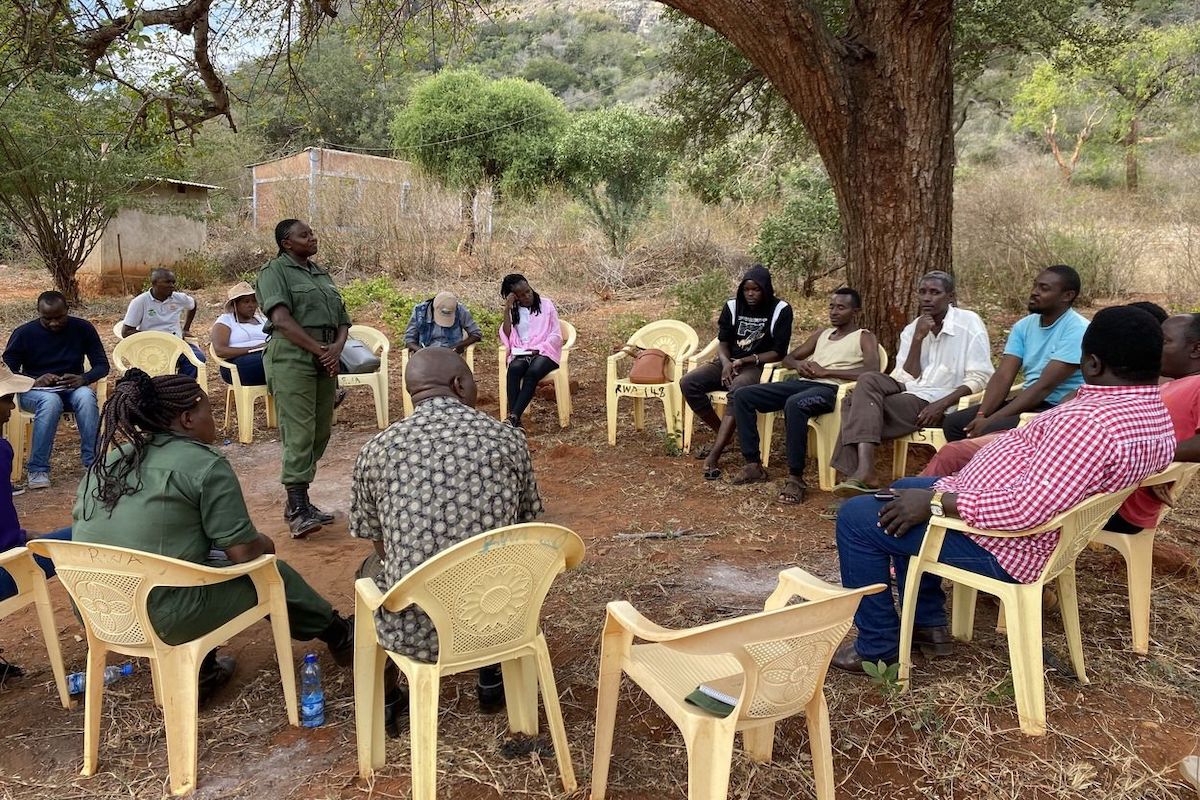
(754,334)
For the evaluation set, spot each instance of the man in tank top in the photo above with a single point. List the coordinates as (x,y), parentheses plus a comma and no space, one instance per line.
(827,359)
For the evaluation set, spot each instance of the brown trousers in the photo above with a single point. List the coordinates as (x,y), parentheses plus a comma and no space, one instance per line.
(877,410)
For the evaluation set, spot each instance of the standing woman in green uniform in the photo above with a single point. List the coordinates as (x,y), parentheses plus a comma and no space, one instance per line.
(308,325)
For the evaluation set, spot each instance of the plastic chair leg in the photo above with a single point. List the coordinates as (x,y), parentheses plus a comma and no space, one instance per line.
(378,396)
(181,670)
(689,427)
(766,429)
(423,683)
(1068,600)
(283,653)
(962,612)
(245,418)
(612,417)
(639,413)
(1025,657)
(899,458)
(562,397)
(908,616)
(607,690)
(554,717)
(45,612)
(93,706)
(1138,552)
(156,679)
(820,744)
(369,660)
(272,417)
(520,694)
(229,398)
(710,759)
(759,742)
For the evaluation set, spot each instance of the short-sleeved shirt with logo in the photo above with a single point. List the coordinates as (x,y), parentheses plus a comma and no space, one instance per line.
(443,475)
(306,291)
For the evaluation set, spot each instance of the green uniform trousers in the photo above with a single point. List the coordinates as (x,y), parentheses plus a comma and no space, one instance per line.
(181,614)
(304,396)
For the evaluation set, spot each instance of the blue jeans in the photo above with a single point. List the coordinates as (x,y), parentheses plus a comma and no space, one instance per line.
(8,587)
(799,400)
(250,370)
(47,408)
(185,367)
(865,551)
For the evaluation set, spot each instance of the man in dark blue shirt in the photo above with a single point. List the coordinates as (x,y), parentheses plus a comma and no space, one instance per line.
(51,350)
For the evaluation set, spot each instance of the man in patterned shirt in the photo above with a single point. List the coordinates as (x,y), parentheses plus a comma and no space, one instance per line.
(1112,435)
(443,475)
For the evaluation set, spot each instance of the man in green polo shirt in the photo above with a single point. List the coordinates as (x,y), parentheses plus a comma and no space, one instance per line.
(308,324)
(163,490)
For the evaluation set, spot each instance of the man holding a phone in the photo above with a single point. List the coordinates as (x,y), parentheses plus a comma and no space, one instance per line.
(51,350)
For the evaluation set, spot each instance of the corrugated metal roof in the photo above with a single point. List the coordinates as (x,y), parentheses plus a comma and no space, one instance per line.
(173,181)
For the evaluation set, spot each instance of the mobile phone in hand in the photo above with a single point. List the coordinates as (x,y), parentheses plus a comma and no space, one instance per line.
(885,495)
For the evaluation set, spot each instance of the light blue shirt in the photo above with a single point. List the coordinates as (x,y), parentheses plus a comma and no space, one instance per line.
(1037,346)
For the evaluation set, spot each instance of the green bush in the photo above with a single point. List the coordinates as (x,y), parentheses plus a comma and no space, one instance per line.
(698,301)
(195,270)
(395,308)
(802,241)
(622,326)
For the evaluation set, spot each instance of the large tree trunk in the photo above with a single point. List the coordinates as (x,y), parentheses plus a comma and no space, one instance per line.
(63,271)
(1132,138)
(878,102)
(467,245)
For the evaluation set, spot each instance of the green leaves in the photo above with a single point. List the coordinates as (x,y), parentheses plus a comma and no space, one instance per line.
(884,676)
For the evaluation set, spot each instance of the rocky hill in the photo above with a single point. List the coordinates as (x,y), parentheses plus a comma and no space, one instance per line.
(638,15)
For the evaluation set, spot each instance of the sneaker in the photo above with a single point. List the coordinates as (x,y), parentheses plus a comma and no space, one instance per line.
(18,489)
(39,480)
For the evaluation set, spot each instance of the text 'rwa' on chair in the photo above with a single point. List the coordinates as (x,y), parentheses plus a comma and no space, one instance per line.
(110,587)
(484,596)
(1020,602)
(781,656)
(677,340)
(31,588)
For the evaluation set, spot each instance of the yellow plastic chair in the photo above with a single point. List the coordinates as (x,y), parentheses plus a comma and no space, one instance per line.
(1021,602)
(19,428)
(780,654)
(561,376)
(31,588)
(676,339)
(469,357)
(377,380)
(157,353)
(484,596)
(822,429)
(1138,551)
(243,398)
(934,437)
(720,398)
(110,586)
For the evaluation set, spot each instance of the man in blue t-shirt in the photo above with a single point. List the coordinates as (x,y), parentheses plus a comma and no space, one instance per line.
(1044,346)
(51,350)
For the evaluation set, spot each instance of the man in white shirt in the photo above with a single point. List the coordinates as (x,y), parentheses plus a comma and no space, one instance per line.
(161,309)
(944,356)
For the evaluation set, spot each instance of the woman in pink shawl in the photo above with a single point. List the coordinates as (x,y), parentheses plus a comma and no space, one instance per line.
(531,333)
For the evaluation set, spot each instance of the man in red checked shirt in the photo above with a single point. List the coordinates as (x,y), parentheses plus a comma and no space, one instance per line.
(1114,434)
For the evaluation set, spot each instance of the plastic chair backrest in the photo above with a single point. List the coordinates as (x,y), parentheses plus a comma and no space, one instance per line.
(486,593)
(1079,526)
(154,352)
(784,653)
(567,330)
(118,329)
(372,338)
(1180,474)
(673,337)
(110,585)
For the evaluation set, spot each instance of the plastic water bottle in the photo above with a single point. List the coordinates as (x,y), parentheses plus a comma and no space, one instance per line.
(77,681)
(312,696)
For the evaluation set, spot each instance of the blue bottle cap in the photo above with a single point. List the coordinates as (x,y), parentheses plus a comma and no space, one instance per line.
(310,658)
(127,668)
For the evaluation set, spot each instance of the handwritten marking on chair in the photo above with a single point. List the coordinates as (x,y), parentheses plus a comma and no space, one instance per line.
(111,559)
(551,541)
(642,389)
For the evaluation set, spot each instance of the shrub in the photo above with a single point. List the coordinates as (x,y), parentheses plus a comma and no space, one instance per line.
(698,301)
(622,326)
(802,241)
(395,308)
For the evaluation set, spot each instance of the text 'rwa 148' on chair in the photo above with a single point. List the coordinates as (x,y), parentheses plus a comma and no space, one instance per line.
(484,596)
(243,398)
(1020,602)
(561,377)
(677,340)
(778,656)
(1138,551)
(468,356)
(157,353)
(110,587)
(31,588)
(377,380)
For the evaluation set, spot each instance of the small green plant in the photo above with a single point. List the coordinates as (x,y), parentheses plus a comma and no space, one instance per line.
(622,326)
(698,301)
(672,443)
(886,677)
(1002,694)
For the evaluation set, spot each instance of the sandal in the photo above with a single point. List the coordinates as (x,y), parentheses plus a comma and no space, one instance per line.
(712,474)
(852,488)
(744,477)
(830,512)
(701,453)
(792,493)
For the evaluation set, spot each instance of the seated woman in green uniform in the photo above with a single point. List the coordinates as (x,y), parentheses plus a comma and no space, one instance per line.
(163,490)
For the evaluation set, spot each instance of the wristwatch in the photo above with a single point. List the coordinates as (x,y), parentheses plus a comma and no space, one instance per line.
(935,505)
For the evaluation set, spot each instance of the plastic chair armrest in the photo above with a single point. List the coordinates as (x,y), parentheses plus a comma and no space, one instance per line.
(13,554)
(368,593)
(955,524)
(234,570)
(624,614)
(795,582)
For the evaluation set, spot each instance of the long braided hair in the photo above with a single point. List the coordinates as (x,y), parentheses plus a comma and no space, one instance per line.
(140,407)
(509,283)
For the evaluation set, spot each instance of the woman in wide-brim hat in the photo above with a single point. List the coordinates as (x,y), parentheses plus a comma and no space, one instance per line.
(238,337)
(11,533)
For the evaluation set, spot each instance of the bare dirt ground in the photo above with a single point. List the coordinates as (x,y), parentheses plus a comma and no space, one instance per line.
(955,735)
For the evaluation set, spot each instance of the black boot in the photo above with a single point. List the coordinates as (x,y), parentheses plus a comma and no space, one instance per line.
(489,688)
(339,636)
(300,517)
(324,517)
